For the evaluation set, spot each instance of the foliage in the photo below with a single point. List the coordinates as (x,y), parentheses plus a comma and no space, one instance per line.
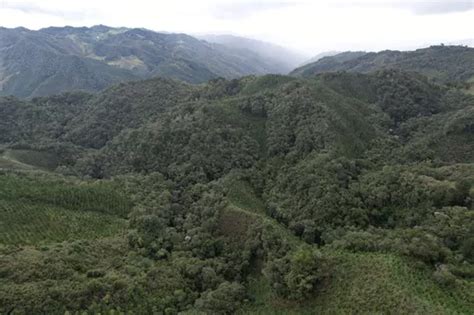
(225,299)
(349,187)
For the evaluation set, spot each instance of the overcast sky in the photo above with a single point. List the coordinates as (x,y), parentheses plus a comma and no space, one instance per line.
(310,26)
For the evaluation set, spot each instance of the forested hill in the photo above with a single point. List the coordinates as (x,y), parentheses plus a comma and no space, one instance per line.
(336,194)
(55,60)
(442,63)
(353,109)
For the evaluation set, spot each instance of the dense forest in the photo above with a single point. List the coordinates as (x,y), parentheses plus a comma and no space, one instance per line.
(335,193)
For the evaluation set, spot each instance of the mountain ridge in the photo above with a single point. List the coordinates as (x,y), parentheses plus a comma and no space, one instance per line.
(59,59)
(441,63)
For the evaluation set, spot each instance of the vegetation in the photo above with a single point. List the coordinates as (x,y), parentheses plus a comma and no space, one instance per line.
(35,209)
(260,195)
(453,64)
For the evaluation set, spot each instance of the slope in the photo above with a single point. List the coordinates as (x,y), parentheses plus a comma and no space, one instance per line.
(442,63)
(360,282)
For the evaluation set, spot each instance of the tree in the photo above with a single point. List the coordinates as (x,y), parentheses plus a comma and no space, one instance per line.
(226,299)
(306,272)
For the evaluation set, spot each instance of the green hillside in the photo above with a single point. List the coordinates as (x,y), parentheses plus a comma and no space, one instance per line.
(339,193)
(442,63)
(37,209)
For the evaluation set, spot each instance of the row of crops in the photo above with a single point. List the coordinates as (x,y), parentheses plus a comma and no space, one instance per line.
(40,208)
(29,224)
(99,196)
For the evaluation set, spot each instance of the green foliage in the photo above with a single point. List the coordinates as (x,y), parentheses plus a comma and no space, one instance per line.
(38,209)
(101,197)
(306,272)
(356,188)
(369,283)
(24,223)
(242,194)
(226,299)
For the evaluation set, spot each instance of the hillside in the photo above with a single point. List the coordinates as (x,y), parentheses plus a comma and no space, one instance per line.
(281,59)
(442,63)
(340,193)
(55,60)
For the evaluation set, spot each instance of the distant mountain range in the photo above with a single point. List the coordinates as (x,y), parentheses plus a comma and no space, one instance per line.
(281,59)
(442,63)
(61,59)
(58,59)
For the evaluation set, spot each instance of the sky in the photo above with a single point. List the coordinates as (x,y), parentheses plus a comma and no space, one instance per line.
(307,26)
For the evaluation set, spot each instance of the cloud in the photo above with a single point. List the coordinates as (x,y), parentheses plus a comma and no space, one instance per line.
(306,25)
(418,7)
(441,7)
(29,7)
(240,10)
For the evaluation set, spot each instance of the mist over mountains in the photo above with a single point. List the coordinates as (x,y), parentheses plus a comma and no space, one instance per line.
(284,59)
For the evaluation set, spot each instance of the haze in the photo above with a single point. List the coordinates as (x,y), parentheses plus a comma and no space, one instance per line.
(305,26)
